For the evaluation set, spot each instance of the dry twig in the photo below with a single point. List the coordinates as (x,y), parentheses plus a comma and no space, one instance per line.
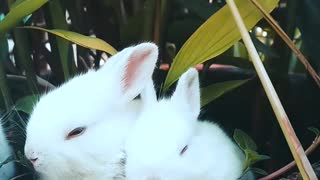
(289,166)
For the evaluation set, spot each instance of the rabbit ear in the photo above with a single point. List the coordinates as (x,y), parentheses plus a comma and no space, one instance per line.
(187,93)
(135,67)
(148,95)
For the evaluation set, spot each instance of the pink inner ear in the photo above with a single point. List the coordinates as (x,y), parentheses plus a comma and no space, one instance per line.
(135,60)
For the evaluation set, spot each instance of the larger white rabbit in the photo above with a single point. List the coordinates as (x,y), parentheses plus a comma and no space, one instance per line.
(7,170)
(78,131)
(169,143)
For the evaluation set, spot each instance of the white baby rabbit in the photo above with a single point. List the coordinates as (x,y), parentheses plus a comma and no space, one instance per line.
(78,131)
(7,170)
(169,143)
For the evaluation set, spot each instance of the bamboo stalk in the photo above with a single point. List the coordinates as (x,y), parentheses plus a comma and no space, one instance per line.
(283,120)
(288,41)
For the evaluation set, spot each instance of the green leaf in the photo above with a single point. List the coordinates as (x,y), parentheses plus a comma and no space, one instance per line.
(214,37)
(82,40)
(314,130)
(26,103)
(16,3)
(214,91)
(253,157)
(18,12)
(259,171)
(244,140)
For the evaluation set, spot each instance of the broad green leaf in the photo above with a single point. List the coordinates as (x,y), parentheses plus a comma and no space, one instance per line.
(26,103)
(244,140)
(20,10)
(214,37)
(314,130)
(82,40)
(214,91)
(16,3)
(253,157)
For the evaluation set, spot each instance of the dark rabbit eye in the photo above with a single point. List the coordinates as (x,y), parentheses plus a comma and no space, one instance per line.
(183,150)
(75,132)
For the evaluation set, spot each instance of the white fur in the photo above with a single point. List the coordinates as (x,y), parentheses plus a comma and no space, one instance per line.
(165,127)
(103,102)
(6,171)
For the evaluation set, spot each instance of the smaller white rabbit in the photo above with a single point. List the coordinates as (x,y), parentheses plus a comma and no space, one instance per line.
(169,143)
(7,170)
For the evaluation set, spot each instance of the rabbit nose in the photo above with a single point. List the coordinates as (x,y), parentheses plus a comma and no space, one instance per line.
(33,160)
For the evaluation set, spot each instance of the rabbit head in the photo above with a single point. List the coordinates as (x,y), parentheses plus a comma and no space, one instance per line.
(77,131)
(163,131)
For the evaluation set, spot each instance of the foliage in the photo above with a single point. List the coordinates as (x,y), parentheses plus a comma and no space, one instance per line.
(211,39)
(248,146)
(18,12)
(25,104)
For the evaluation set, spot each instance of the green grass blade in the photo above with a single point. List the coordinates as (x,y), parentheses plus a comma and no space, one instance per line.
(18,12)
(214,37)
(61,49)
(22,43)
(81,40)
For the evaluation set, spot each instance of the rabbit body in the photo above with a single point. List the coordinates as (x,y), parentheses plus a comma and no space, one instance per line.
(169,143)
(7,170)
(78,131)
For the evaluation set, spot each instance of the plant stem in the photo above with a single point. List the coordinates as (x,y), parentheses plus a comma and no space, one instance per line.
(283,120)
(4,88)
(289,166)
(289,42)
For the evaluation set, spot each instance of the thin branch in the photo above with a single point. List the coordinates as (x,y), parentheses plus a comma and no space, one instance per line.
(289,42)
(283,120)
(289,166)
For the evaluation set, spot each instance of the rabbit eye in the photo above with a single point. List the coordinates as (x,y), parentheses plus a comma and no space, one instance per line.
(75,132)
(183,150)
